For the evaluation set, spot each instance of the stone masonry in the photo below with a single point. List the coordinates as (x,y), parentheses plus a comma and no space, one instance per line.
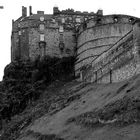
(106,47)
(121,61)
(39,35)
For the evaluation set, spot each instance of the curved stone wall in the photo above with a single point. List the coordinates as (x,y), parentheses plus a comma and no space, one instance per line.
(118,63)
(98,34)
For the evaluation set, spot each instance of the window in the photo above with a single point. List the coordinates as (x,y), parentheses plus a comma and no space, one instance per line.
(42,37)
(41,18)
(99,21)
(84,25)
(19,32)
(41,27)
(86,19)
(68,51)
(18,25)
(116,19)
(61,46)
(63,20)
(61,29)
(131,20)
(78,20)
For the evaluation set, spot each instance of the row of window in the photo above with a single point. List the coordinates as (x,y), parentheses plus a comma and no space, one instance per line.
(42,28)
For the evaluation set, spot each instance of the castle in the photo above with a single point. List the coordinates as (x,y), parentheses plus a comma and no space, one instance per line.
(106,46)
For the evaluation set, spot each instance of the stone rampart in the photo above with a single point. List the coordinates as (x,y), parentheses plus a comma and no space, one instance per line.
(98,35)
(119,62)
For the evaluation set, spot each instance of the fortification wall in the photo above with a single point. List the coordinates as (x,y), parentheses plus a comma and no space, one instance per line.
(52,39)
(98,35)
(120,62)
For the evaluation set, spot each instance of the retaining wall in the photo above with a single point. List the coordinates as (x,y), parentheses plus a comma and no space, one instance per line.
(98,35)
(118,63)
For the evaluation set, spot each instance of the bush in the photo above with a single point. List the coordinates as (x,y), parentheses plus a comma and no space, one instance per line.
(23,82)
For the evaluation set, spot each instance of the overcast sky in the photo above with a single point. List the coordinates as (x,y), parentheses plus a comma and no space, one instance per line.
(12,10)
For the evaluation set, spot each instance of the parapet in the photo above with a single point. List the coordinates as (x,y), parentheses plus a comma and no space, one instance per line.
(107,19)
(69,11)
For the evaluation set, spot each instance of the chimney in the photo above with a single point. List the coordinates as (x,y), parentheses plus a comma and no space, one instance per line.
(30,10)
(56,10)
(24,11)
(100,12)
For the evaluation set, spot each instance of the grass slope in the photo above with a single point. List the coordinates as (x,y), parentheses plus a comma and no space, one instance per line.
(79,111)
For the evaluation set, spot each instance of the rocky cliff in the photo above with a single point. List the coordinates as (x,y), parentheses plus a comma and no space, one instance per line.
(24,81)
(65,109)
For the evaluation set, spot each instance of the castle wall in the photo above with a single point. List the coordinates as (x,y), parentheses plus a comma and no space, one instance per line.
(24,44)
(34,50)
(58,38)
(14,46)
(120,62)
(108,47)
(52,39)
(30,36)
(98,35)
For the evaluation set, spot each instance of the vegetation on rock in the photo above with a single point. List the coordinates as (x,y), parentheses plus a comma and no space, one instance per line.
(23,82)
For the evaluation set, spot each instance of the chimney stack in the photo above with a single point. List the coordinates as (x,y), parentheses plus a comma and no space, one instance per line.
(12,24)
(30,10)
(24,11)
(100,12)
(56,10)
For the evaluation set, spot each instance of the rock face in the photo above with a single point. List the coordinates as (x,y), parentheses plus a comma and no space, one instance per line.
(75,110)
(24,81)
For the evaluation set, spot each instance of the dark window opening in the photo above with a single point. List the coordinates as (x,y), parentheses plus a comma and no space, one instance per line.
(68,51)
(84,25)
(61,46)
(99,21)
(116,19)
(131,20)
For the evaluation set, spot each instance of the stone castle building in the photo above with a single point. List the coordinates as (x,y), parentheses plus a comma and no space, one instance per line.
(106,46)
(47,34)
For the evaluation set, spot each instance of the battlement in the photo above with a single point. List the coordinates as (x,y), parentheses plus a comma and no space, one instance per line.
(69,11)
(107,19)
